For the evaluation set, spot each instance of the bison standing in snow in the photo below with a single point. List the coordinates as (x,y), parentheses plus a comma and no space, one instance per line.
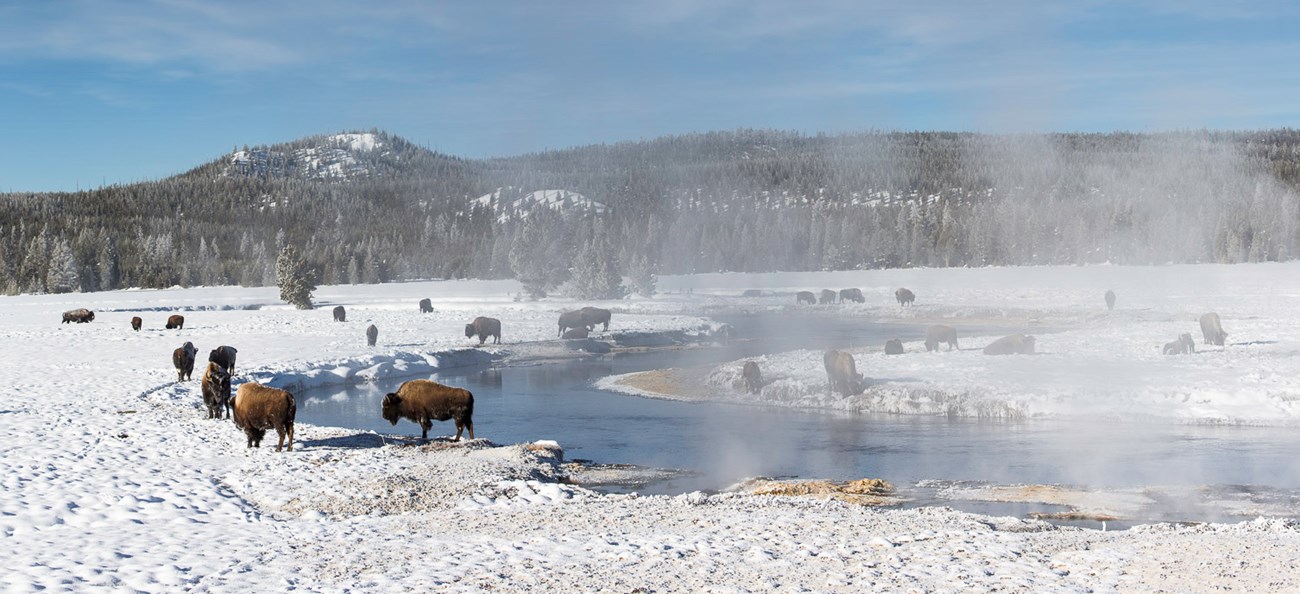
(216,390)
(183,360)
(572,319)
(1183,346)
(1212,330)
(893,346)
(939,333)
(426,306)
(484,327)
(258,408)
(224,356)
(340,314)
(79,316)
(805,297)
(904,296)
(752,376)
(1015,344)
(136,322)
(1110,299)
(842,372)
(596,315)
(827,296)
(372,334)
(425,401)
(176,322)
(854,295)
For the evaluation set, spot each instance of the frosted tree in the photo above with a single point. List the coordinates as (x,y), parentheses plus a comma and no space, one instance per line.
(538,258)
(294,278)
(595,270)
(641,270)
(63,275)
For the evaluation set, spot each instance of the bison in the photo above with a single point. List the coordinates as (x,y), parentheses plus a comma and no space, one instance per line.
(423,402)
(372,334)
(426,306)
(484,327)
(904,296)
(80,316)
(1212,330)
(258,408)
(854,295)
(224,356)
(1110,299)
(175,322)
(136,322)
(842,372)
(752,293)
(1011,345)
(572,319)
(1183,346)
(893,346)
(937,334)
(183,359)
(827,296)
(216,390)
(752,376)
(572,333)
(596,315)
(805,297)
(340,314)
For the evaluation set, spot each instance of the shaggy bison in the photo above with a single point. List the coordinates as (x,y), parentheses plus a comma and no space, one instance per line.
(224,356)
(1110,299)
(904,296)
(572,333)
(893,346)
(424,401)
(1183,346)
(938,334)
(596,315)
(80,316)
(175,322)
(572,319)
(854,295)
(136,322)
(1212,330)
(372,334)
(827,296)
(483,328)
(1015,344)
(803,297)
(340,314)
(216,390)
(752,376)
(842,372)
(426,306)
(258,408)
(183,359)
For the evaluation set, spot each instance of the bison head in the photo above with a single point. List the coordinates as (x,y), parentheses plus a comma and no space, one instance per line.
(469,330)
(392,408)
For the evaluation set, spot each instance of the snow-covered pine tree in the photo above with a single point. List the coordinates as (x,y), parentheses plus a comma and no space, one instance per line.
(64,273)
(294,278)
(595,269)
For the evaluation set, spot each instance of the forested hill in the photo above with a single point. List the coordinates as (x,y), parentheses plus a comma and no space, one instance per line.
(373,207)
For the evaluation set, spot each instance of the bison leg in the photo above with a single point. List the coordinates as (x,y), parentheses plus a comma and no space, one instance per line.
(425,426)
(459,428)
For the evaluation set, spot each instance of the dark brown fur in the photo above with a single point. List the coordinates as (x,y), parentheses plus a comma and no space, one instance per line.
(224,356)
(426,306)
(893,346)
(183,360)
(827,296)
(340,314)
(483,328)
(596,315)
(372,334)
(753,377)
(573,333)
(572,319)
(1183,346)
(80,316)
(805,297)
(1212,330)
(904,296)
(258,408)
(842,372)
(136,322)
(1110,299)
(854,295)
(176,322)
(216,391)
(424,401)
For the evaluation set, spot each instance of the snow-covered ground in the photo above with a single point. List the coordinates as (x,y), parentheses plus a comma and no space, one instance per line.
(112,480)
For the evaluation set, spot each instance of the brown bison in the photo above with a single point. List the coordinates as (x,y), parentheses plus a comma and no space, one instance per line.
(752,376)
(216,390)
(372,334)
(573,333)
(1183,346)
(1212,330)
(426,306)
(183,359)
(596,315)
(827,296)
(340,314)
(175,322)
(904,296)
(803,297)
(1110,299)
(842,372)
(424,401)
(80,316)
(572,319)
(854,295)
(1015,344)
(893,346)
(484,327)
(136,322)
(258,408)
(937,334)
(224,356)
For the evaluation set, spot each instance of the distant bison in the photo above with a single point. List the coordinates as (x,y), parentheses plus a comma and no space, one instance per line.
(1015,344)
(854,295)
(893,346)
(572,319)
(904,296)
(372,334)
(1183,346)
(1212,330)
(258,408)
(1110,299)
(80,316)
(596,315)
(426,306)
(424,401)
(136,322)
(573,333)
(483,328)
(752,293)
(827,296)
(224,356)
(805,297)
(938,334)
(183,360)
(216,391)
(752,376)
(842,372)
(340,314)
(175,322)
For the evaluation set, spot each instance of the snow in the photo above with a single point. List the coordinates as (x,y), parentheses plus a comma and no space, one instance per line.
(518,206)
(112,480)
(357,143)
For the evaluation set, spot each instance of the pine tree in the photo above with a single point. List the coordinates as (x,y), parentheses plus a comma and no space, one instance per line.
(537,256)
(294,278)
(595,270)
(64,273)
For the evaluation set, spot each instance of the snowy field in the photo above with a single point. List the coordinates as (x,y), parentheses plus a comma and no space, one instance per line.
(113,480)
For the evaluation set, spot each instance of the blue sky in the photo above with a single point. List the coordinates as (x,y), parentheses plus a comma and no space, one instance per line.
(108,91)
